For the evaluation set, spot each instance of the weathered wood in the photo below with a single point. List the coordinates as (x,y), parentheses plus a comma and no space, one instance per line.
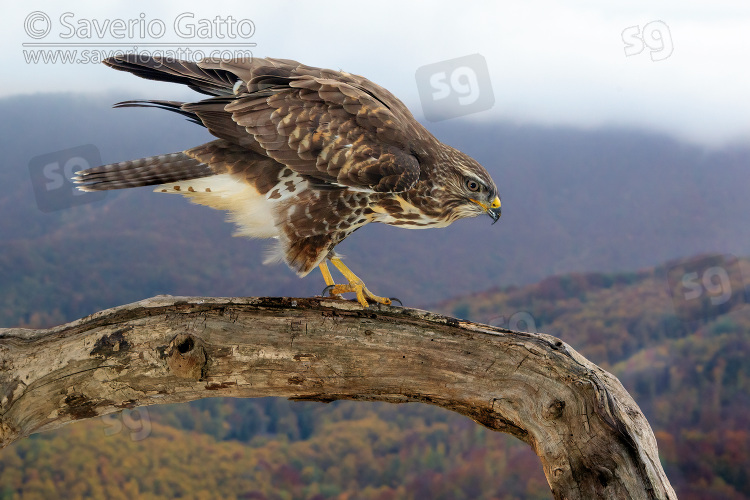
(592,438)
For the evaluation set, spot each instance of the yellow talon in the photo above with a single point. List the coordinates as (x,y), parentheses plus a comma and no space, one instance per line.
(356,285)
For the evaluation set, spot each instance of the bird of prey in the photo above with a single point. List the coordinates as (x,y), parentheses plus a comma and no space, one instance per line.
(303,155)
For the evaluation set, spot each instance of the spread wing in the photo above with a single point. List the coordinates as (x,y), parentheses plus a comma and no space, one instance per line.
(331,127)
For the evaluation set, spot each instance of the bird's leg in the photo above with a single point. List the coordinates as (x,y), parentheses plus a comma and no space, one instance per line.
(330,284)
(355,285)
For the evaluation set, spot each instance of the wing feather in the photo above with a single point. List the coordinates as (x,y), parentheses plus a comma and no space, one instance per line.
(333,127)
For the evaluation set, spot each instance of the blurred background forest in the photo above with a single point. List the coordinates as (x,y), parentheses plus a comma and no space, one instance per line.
(600,233)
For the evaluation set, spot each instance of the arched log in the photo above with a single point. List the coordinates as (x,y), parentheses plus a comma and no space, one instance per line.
(592,438)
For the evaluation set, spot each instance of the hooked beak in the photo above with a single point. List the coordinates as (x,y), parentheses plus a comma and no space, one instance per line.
(493,210)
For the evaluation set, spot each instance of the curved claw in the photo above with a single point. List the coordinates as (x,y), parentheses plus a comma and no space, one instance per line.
(328,289)
(394,299)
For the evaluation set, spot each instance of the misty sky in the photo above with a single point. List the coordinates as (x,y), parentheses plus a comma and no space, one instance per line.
(553,63)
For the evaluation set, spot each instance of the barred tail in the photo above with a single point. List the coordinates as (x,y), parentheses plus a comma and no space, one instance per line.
(149,171)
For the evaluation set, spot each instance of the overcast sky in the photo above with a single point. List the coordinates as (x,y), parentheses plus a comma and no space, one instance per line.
(548,62)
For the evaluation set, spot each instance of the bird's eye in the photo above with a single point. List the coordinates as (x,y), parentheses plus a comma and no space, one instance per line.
(472,185)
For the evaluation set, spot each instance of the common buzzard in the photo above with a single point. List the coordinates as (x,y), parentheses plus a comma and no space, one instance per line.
(304,155)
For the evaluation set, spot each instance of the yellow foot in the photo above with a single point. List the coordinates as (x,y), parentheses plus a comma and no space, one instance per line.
(329,281)
(355,285)
(362,293)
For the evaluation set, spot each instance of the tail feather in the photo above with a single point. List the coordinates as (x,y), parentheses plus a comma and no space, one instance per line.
(148,171)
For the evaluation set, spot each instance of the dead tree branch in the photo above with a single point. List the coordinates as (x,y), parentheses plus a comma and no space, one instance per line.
(592,438)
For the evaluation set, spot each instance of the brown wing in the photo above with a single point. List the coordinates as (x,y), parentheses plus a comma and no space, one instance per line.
(333,127)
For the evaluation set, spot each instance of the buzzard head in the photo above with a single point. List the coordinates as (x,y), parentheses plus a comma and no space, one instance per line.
(469,189)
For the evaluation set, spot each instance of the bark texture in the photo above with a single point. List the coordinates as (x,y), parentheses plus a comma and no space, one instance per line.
(592,438)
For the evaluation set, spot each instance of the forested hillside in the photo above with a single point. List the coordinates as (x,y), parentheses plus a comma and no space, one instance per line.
(684,361)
